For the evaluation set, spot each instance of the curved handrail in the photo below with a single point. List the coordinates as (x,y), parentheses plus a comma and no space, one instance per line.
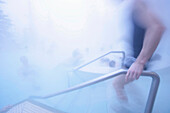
(152,93)
(83,65)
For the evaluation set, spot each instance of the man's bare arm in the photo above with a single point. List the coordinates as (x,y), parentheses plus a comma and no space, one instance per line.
(154,30)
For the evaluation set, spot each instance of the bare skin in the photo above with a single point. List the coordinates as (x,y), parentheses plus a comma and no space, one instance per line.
(154,30)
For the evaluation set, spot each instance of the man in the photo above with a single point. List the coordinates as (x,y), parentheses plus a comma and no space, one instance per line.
(148,31)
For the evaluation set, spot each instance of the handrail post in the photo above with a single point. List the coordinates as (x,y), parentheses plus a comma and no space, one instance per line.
(152,93)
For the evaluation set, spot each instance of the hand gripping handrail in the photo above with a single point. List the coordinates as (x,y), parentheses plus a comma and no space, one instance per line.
(152,92)
(83,65)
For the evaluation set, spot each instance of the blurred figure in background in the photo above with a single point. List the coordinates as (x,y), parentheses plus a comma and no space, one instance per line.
(28,72)
(148,30)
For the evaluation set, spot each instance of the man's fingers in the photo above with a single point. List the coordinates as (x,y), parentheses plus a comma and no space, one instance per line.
(138,75)
(134,75)
(127,76)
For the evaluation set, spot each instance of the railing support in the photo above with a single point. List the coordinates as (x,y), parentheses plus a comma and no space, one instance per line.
(81,66)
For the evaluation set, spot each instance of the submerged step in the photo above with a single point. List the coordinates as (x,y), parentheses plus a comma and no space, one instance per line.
(30,106)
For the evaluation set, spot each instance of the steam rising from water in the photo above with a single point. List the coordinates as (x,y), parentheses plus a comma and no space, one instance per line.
(49,31)
(49,37)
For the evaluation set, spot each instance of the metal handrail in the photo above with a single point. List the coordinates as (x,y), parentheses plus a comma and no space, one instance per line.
(152,92)
(83,65)
(87,63)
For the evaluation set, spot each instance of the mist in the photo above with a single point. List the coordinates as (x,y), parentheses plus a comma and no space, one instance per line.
(44,39)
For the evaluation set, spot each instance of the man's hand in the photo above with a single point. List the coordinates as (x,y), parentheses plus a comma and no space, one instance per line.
(134,71)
